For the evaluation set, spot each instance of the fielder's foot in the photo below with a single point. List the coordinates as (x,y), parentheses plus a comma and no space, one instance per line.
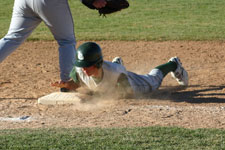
(118,60)
(180,74)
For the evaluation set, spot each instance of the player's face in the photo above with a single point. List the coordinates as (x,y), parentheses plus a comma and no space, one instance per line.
(90,71)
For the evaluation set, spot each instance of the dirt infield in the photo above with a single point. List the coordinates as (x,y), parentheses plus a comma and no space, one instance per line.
(27,73)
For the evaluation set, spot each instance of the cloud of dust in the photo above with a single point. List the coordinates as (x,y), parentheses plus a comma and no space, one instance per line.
(96,101)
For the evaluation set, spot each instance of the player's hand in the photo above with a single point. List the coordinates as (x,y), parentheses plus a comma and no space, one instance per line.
(69,85)
(60,84)
(99,3)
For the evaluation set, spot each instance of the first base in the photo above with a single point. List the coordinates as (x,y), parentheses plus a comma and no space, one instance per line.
(60,98)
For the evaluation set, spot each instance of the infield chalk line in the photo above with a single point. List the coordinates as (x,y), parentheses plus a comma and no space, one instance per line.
(16,119)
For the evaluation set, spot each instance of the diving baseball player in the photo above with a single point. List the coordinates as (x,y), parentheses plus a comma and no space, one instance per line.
(28,14)
(103,76)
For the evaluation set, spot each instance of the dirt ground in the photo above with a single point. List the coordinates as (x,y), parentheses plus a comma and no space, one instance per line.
(27,73)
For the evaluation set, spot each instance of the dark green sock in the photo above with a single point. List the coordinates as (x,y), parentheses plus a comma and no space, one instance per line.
(167,67)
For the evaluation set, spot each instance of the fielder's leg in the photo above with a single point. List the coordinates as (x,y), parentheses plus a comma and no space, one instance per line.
(58,18)
(22,24)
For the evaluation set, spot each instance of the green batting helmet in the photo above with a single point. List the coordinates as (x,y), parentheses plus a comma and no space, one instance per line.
(88,54)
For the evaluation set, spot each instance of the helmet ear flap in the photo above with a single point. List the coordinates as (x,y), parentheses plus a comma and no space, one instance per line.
(99,64)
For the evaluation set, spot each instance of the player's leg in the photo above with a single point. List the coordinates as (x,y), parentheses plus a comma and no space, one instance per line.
(177,71)
(22,24)
(155,77)
(57,16)
(167,67)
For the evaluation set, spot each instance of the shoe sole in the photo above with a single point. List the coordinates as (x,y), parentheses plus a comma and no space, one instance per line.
(184,81)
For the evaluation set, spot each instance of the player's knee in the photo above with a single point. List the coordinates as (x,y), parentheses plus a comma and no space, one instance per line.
(65,42)
(16,39)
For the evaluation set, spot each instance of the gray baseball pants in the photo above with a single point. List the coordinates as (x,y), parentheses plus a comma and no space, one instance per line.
(28,14)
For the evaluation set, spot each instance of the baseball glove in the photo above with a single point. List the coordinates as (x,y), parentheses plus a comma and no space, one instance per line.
(113,6)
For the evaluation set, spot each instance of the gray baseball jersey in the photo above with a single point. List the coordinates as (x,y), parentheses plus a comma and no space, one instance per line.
(28,14)
(141,84)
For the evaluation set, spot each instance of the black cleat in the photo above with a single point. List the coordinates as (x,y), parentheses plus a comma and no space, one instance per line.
(64,90)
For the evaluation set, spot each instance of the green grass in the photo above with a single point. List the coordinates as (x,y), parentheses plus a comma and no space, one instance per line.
(143,20)
(155,138)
